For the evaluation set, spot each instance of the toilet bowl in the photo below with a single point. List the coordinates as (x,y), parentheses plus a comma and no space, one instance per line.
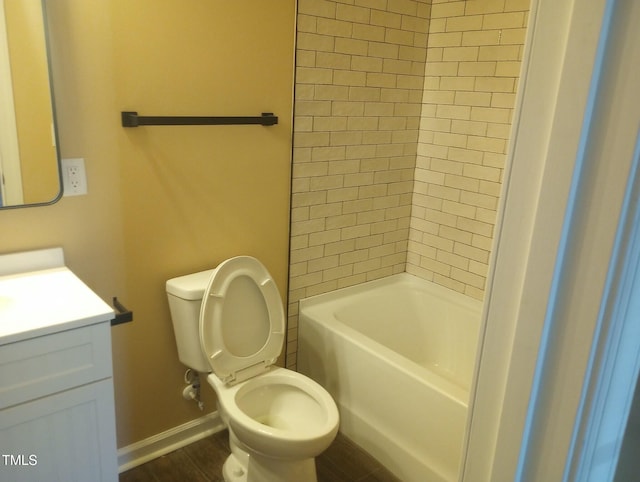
(278,420)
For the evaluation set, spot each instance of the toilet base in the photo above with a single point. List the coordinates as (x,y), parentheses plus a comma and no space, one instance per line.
(233,471)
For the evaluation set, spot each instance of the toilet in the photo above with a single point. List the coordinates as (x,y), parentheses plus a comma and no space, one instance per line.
(229,322)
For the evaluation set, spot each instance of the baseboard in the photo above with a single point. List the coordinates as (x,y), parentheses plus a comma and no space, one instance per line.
(160,444)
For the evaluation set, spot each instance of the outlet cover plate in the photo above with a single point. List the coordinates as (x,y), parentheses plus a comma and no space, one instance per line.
(74,179)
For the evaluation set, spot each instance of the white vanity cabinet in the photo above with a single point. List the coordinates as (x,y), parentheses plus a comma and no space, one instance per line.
(57,420)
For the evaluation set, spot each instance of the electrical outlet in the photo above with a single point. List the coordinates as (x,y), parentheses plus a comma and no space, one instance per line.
(74,178)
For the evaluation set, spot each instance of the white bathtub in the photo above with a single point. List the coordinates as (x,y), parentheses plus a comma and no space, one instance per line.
(397,355)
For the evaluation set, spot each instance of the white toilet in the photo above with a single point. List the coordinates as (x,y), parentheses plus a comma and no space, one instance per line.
(229,322)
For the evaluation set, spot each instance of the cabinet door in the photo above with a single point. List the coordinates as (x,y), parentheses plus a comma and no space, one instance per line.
(69,436)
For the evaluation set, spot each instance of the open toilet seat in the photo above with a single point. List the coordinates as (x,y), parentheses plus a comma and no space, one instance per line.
(242,323)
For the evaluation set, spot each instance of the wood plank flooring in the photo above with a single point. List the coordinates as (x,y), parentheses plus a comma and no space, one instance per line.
(202,461)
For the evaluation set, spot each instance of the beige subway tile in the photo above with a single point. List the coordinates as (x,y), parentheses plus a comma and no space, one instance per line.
(442,68)
(463,24)
(415,24)
(501,131)
(453,260)
(517,5)
(313,108)
(299,242)
(328,124)
(305,280)
(395,66)
(381,50)
(386,19)
(475,227)
(495,84)
(306,23)
(399,37)
(467,278)
(474,128)
(435,266)
(322,238)
(476,7)
(351,46)
(434,54)
(368,32)
(317,8)
(494,159)
(363,123)
(375,79)
(479,200)
(350,108)
(331,92)
(481,172)
(457,83)
(303,124)
(379,109)
(327,153)
(367,242)
(486,144)
(503,20)
(332,60)
(357,205)
(351,232)
(364,152)
(424,226)
(481,99)
(478,69)
(346,138)
(337,272)
(462,183)
(445,39)
(341,221)
(366,64)
(490,114)
(300,185)
(309,198)
(405,7)
(323,263)
(334,28)
(497,52)
(377,137)
(453,111)
(437,25)
(413,82)
(438,97)
(461,54)
(344,194)
(305,254)
(481,37)
(465,249)
(316,42)
(486,215)
(339,247)
(344,166)
(395,95)
(465,155)
(307,169)
(491,188)
(482,242)
(359,179)
(506,68)
(352,13)
(503,99)
(449,9)
(459,209)
(313,75)
(514,36)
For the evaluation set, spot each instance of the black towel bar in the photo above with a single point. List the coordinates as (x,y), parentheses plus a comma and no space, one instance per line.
(132,119)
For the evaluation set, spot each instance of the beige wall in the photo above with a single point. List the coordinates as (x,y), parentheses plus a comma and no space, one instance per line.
(402,115)
(165,201)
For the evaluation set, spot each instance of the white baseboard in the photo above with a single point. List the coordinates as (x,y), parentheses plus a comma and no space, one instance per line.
(160,444)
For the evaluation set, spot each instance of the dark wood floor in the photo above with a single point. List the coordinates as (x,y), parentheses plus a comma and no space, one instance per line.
(202,461)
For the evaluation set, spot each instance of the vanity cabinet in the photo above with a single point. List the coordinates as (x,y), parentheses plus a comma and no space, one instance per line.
(57,420)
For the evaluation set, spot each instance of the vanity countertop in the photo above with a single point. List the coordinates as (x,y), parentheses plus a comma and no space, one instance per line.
(38,303)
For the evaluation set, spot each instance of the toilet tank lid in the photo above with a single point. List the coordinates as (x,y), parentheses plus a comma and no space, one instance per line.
(190,286)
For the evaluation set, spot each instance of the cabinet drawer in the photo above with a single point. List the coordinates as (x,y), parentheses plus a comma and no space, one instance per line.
(48,364)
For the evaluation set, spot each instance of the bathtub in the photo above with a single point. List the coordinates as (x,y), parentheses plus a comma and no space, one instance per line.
(397,354)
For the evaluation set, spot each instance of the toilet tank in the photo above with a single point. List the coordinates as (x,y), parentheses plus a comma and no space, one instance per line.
(185,297)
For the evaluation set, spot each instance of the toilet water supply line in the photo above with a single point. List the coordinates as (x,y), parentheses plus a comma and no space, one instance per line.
(192,390)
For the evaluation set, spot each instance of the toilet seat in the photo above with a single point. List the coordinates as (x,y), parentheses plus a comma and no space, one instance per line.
(241,320)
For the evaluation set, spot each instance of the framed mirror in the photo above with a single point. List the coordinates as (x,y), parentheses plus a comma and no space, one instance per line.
(29,156)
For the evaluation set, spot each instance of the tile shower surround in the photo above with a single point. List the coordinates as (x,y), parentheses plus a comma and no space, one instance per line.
(402,116)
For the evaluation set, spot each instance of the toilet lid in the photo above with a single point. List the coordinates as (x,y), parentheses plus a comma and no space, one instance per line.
(241,320)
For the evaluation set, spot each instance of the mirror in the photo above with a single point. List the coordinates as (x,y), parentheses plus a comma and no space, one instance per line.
(29,160)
